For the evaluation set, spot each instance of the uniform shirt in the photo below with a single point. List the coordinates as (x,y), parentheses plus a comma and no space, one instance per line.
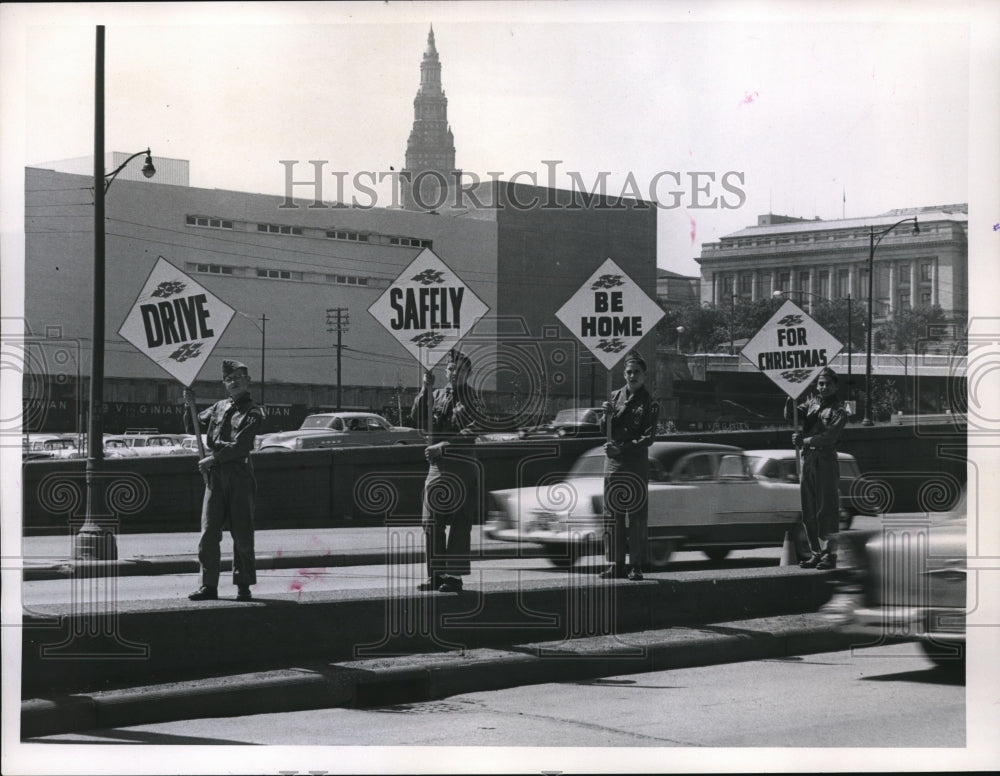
(822,422)
(633,422)
(452,414)
(232,425)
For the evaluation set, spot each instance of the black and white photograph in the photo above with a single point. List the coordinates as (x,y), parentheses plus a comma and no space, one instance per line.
(500,387)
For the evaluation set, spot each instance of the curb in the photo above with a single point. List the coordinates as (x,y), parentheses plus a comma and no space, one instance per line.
(414,678)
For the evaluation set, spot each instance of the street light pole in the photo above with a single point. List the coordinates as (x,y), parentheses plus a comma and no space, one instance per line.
(94,542)
(873,242)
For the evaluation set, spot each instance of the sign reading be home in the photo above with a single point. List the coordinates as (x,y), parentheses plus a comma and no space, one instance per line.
(176,322)
(610,314)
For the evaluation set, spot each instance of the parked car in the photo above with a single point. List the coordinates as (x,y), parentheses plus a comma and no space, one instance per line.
(47,446)
(117,447)
(908,580)
(576,422)
(153,444)
(189,444)
(701,497)
(780,466)
(341,429)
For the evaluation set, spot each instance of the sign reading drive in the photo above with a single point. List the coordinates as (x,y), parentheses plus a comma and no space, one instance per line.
(176,322)
(610,314)
(428,309)
(791,349)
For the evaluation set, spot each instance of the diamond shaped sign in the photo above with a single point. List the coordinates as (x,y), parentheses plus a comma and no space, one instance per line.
(791,349)
(610,314)
(176,322)
(428,309)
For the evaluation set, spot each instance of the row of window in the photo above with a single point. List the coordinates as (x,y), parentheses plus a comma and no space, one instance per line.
(211,222)
(276,274)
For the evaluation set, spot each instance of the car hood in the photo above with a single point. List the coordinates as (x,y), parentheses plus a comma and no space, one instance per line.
(565,497)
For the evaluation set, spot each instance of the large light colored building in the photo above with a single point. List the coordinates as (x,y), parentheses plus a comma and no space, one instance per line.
(830,259)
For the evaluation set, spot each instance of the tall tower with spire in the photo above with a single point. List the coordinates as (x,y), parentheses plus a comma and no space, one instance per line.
(429,175)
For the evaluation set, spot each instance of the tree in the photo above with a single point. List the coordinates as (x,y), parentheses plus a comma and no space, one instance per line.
(704,327)
(907,328)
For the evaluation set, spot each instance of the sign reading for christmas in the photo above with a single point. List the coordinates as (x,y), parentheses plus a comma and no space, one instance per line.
(610,314)
(791,349)
(176,322)
(428,309)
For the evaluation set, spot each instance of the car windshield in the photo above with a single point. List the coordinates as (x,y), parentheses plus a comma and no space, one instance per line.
(575,416)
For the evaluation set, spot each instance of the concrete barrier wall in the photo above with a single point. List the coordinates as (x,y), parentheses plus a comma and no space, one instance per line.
(916,468)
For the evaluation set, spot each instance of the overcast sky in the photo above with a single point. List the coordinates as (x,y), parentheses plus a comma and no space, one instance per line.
(804,109)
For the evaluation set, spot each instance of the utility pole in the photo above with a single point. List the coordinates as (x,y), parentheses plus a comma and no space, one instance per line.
(337,319)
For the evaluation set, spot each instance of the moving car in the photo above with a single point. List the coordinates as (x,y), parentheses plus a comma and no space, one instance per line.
(341,429)
(701,497)
(153,444)
(576,422)
(48,446)
(780,466)
(908,581)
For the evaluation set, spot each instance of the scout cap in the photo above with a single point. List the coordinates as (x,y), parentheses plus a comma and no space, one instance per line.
(459,359)
(229,367)
(634,357)
(828,373)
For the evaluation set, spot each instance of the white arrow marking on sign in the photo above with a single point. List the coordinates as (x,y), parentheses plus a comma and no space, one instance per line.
(610,314)
(428,309)
(791,349)
(176,322)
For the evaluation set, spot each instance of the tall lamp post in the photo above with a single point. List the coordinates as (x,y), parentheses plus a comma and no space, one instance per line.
(92,542)
(873,241)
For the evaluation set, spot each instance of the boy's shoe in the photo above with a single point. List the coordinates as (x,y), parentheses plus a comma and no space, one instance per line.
(811,562)
(450,585)
(828,561)
(205,593)
(243,593)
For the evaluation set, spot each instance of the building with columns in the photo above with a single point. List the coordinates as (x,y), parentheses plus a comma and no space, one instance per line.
(830,259)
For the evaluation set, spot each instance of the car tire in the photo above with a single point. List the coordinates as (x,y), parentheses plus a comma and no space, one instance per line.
(718,553)
(563,557)
(659,552)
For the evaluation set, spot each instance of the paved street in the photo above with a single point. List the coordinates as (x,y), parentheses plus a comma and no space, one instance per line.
(882,697)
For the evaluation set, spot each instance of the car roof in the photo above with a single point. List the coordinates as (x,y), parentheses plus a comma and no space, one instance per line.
(344,415)
(789,453)
(675,449)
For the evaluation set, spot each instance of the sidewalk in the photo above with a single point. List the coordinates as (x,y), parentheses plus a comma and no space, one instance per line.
(51,557)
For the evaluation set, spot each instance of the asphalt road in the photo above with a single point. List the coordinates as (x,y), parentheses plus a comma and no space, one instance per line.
(873,698)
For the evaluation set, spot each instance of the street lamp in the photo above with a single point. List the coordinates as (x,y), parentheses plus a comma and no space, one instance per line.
(680,331)
(873,241)
(732,317)
(93,542)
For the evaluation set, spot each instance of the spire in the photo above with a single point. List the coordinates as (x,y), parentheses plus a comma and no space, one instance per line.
(431,146)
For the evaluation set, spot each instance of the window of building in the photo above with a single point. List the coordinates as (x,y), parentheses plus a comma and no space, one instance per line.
(843,282)
(208,222)
(215,269)
(279,229)
(274,274)
(785,281)
(348,280)
(410,242)
(746,285)
(925,271)
(925,297)
(904,301)
(344,235)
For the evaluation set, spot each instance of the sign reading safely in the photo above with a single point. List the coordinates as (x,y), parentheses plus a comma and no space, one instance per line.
(610,314)
(791,349)
(176,322)
(428,309)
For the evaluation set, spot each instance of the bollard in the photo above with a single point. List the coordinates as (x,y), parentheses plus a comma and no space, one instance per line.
(789,557)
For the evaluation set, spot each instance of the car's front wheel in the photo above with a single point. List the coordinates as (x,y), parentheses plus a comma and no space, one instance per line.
(563,557)
(949,655)
(718,553)
(660,551)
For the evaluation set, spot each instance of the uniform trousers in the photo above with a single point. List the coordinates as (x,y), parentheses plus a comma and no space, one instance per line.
(626,495)
(229,500)
(450,500)
(821,498)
